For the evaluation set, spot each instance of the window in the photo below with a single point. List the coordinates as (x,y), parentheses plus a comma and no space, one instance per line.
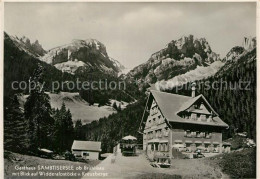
(166,132)
(198,134)
(194,116)
(166,149)
(188,133)
(203,117)
(208,135)
(85,154)
(203,134)
(209,119)
(160,119)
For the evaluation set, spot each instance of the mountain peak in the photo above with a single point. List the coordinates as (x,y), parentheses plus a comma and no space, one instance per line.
(178,57)
(81,56)
(34,49)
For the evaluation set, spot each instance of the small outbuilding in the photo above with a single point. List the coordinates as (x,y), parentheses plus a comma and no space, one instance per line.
(86,149)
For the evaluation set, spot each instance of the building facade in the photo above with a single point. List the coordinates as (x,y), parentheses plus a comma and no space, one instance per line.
(86,149)
(180,124)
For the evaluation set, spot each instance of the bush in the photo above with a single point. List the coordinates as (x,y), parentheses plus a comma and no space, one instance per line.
(240,164)
(237,142)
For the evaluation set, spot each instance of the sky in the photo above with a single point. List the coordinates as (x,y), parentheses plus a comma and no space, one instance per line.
(132,32)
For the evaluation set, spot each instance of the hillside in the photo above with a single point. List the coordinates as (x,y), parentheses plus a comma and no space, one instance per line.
(20,64)
(178,57)
(79,108)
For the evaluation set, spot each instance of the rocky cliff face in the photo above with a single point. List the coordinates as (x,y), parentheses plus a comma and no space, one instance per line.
(82,56)
(248,44)
(233,53)
(239,56)
(178,57)
(34,49)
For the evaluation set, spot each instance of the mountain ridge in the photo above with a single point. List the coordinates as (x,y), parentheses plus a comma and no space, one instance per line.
(178,57)
(83,55)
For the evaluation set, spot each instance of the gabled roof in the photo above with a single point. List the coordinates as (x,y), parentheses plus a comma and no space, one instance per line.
(86,145)
(191,101)
(171,104)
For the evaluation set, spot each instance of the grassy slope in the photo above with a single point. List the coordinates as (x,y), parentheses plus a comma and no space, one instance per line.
(79,108)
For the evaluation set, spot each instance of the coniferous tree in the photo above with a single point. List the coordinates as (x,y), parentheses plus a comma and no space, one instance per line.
(63,135)
(78,131)
(14,127)
(37,112)
(69,132)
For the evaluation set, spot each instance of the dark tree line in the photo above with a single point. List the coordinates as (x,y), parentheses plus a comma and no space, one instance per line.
(39,126)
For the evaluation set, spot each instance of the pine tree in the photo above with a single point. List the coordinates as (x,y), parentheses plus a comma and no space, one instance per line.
(69,133)
(78,130)
(14,127)
(37,112)
(63,135)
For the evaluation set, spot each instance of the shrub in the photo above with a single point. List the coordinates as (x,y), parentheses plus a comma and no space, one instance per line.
(240,164)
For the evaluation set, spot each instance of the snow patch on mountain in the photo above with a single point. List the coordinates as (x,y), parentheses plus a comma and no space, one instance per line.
(70,66)
(199,73)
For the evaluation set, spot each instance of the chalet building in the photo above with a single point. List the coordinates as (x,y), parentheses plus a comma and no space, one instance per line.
(185,123)
(86,149)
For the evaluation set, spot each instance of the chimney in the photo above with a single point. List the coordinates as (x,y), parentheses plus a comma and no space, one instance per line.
(193,88)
